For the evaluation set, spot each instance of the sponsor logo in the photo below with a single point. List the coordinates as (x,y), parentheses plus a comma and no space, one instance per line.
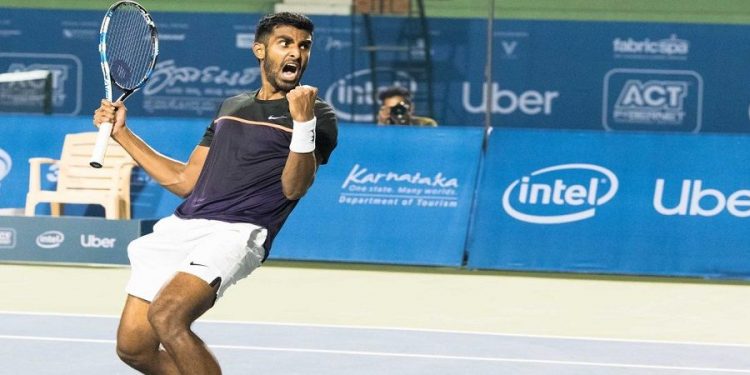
(50,239)
(81,30)
(67,81)
(560,194)
(695,200)
(652,100)
(81,34)
(244,40)
(391,188)
(7,238)
(92,241)
(506,102)
(272,117)
(352,95)
(5,32)
(192,89)
(53,173)
(509,42)
(171,37)
(337,44)
(6,164)
(669,48)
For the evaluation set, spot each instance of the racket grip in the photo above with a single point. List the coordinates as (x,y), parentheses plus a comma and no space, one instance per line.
(100,148)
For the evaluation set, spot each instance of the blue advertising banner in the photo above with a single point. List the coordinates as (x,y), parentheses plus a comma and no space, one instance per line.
(399,195)
(68,239)
(614,203)
(24,137)
(389,194)
(609,76)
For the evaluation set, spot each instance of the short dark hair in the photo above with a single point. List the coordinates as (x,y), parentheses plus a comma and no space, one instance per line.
(395,91)
(271,21)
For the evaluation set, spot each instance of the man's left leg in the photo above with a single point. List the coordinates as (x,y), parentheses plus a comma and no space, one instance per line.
(183,300)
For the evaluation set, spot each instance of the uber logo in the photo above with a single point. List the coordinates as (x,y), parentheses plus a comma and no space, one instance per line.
(93,241)
(647,99)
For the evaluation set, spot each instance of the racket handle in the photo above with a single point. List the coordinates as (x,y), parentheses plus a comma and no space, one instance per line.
(100,148)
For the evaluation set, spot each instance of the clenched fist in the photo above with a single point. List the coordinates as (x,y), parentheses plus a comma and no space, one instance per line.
(302,102)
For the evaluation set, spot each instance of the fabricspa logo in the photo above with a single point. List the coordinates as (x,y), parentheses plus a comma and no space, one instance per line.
(669,48)
(648,99)
(560,194)
(352,95)
(50,239)
(6,163)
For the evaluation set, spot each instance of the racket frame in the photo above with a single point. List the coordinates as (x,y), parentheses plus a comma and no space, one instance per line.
(105,129)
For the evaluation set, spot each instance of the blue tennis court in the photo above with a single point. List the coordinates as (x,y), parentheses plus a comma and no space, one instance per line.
(41,343)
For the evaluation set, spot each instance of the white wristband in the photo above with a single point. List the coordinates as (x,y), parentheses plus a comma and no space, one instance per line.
(303,137)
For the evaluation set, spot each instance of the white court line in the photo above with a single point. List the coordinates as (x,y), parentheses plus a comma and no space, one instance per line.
(403,329)
(407,355)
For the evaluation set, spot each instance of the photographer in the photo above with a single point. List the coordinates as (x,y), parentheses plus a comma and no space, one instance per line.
(398,109)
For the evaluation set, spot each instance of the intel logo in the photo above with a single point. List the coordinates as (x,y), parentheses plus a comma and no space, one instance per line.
(352,96)
(560,194)
(50,239)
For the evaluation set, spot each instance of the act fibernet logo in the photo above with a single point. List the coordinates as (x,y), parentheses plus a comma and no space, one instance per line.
(648,99)
(560,194)
(67,79)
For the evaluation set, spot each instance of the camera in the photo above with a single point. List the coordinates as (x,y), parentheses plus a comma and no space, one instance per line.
(400,114)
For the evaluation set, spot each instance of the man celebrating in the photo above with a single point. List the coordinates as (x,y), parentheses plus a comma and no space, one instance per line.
(255,161)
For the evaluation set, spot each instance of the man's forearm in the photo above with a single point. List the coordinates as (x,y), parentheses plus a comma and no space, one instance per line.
(298,174)
(166,171)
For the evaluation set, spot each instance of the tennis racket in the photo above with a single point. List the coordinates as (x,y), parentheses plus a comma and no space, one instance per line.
(128,47)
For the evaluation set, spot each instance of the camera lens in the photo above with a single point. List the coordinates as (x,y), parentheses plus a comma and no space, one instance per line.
(399,114)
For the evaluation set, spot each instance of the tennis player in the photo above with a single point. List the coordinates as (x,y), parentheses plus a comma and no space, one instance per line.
(255,161)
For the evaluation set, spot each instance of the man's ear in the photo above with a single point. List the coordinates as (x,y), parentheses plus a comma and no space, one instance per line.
(259,50)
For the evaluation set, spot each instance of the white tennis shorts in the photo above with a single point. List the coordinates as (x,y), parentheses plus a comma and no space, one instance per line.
(212,250)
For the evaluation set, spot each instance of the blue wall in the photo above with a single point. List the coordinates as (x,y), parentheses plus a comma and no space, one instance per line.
(611,153)
(571,201)
(625,76)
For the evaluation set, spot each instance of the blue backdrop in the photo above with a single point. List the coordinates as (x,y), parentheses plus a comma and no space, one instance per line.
(625,76)
(390,195)
(580,201)
(597,202)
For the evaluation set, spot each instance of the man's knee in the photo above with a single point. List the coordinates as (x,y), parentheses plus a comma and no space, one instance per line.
(166,319)
(136,354)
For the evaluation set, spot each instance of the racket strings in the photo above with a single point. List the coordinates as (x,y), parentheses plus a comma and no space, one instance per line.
(130,48)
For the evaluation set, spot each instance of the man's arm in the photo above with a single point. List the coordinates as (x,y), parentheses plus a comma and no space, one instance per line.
(298,174)
(300,167)
(174,175)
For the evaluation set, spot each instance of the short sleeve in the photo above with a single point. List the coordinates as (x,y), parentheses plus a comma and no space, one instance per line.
(208,135)
(326,131)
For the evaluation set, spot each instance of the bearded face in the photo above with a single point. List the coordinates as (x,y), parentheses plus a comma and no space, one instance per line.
(286,55)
